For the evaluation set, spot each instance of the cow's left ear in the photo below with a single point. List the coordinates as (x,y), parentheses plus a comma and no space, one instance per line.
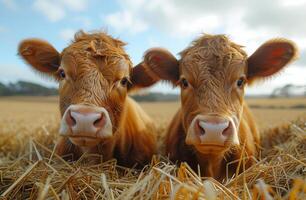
(40,55)
(158,64)
(270,58)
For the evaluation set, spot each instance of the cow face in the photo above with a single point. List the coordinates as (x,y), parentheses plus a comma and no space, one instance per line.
(212,74)
(94,74)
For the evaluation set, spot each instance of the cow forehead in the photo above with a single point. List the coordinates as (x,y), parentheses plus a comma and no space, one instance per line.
(78,62)
(226,68)
(213,48)
(96,51)
(218,45)
(213,53)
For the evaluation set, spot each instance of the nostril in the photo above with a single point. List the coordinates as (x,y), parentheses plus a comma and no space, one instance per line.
(71,121)
(72,118)
(97,121)
(200,128)
(100,122)
(227,130)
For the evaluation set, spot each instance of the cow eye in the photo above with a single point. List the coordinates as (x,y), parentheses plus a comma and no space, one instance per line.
(62,73)
(184,83)
(124,81)
(241,82)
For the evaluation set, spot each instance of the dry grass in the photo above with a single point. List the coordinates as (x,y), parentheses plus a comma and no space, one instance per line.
(30,170)
(286,102)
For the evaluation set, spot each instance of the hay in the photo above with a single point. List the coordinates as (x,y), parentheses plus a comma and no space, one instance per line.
(29,169)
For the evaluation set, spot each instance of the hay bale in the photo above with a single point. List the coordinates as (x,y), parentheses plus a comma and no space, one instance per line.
(29,169)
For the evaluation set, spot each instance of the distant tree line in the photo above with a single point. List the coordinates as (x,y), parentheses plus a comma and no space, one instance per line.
(289,90)
(24,88)
(155,96)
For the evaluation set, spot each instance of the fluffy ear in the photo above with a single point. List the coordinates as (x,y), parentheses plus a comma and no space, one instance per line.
(270,58)
(41,55)
(158,64)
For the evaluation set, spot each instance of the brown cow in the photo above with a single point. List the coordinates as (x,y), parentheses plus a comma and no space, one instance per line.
(214,126)
(94,75)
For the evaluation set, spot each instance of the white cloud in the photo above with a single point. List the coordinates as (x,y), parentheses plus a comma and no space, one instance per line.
(272,15)
(10,4)
(75,5)
(175,17)
(190,26)
(56,10)
(67,34)
(185,18)
(126,21)
(293,3)
(51,10)
(249,23)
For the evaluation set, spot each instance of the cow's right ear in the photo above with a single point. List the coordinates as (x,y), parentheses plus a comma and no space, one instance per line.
(41,55)
(158,64)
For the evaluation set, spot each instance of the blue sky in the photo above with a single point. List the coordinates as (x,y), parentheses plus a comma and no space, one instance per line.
(172,24)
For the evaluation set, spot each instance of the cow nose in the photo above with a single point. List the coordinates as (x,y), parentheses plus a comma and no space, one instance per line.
(86,121)
(81,120)
(214,130)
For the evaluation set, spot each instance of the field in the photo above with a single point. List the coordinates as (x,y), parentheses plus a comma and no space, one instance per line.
(28,168)
(268,112)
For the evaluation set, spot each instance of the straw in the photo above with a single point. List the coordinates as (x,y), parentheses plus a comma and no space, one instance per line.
(30,169)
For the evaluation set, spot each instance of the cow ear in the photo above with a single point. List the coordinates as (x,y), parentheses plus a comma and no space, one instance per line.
(270,58)
(158,64)
(41,55)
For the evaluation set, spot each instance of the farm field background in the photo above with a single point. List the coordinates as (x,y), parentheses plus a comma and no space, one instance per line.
(34,112)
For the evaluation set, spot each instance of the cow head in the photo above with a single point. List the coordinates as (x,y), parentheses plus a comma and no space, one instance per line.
(94,75)
(212,74)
